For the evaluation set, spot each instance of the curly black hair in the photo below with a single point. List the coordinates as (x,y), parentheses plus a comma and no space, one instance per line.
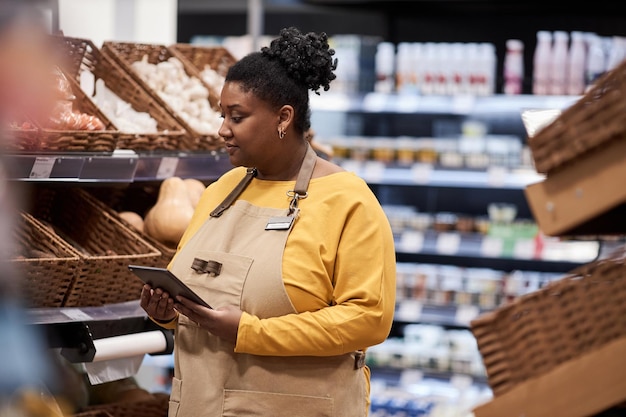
(284,72)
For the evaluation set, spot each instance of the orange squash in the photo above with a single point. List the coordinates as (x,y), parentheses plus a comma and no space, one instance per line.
(168,219)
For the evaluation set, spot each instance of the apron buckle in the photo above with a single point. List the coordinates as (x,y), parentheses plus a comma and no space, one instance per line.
(201,266)
(359,359)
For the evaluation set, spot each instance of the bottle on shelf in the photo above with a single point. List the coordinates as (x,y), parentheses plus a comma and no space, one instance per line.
(576,64)
(513,67)
(595,64)
(558,63)
(541,62)
(385,57)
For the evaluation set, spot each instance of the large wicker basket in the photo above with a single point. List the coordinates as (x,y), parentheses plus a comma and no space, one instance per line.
(82,55)
(107,202)
(126,53)
(106,246)
(597,118)
(41,138)
(46,265)
(564,320)
(156,407)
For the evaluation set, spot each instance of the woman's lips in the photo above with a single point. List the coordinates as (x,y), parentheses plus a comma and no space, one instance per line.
(231,148)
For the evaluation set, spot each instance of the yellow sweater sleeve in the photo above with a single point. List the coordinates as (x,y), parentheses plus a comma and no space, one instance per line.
(338,268)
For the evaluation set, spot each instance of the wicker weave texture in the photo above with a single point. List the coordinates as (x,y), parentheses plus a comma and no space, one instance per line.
(46,265)
(126,53)
(105,244)
(82,55)
(217,58)
(597,118)
(563,320)
(200,56)
(146,408)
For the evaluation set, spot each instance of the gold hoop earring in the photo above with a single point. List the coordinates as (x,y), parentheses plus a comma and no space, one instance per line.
(281,133)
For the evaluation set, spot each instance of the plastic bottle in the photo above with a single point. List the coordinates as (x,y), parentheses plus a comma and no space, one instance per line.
(558,66)
(385,57)
(513,67)
(541,62)
(576,64)
(488,63)
(595,65)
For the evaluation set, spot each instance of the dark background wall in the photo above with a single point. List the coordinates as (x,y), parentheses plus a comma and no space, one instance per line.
(411,21)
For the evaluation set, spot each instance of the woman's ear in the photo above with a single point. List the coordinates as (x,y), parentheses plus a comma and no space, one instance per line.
(286,115)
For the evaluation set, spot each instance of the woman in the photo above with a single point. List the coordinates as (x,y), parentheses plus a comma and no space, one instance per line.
(294,254)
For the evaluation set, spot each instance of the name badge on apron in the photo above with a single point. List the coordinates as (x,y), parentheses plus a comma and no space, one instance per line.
(279,223)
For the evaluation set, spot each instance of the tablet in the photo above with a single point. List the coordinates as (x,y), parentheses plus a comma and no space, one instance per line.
(164,279)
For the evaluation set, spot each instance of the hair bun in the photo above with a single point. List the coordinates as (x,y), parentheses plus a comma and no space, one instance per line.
(307,58)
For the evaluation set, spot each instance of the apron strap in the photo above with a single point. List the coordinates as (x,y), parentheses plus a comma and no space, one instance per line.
(306,171)
(232,196)
(302,181)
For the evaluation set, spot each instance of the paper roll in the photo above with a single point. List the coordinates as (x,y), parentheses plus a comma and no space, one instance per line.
(129,345)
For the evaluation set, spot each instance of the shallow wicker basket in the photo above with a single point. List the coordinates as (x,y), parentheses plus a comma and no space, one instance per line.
(82,55)
(126,53)
(597,118)
(107,201)
(158,407)
(45,264)
(565,319)
(106,246)
(60,141)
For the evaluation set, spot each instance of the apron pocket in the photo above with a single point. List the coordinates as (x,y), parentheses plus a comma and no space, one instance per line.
(225,288)
(263,404)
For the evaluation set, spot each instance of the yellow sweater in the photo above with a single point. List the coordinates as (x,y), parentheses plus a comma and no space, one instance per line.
(338,267)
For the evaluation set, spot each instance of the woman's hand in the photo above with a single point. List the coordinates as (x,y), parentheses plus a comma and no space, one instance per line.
(223,322)
(157,303)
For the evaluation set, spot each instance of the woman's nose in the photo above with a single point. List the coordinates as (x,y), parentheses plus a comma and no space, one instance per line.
(224,131)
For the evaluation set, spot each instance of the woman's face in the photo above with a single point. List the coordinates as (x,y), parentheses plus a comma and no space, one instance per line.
(249,128)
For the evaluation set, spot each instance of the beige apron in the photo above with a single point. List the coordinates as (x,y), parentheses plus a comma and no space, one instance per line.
(243,264)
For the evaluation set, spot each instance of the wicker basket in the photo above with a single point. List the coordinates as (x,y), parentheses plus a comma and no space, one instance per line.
(106,246)
(158,407)
(562,321)
(82,55)
(106,203)
(59,141)
(126,53)
(199,56)
(20,139)
(597,118)
(46,265)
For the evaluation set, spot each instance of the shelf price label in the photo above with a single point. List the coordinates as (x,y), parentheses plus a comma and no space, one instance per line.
(42,167)
(411,241)
(448,243)
(167,167)
(491,247)
(421,173)
(409,310)
(465,313)
(496,176)
(524,248)
(374,170)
